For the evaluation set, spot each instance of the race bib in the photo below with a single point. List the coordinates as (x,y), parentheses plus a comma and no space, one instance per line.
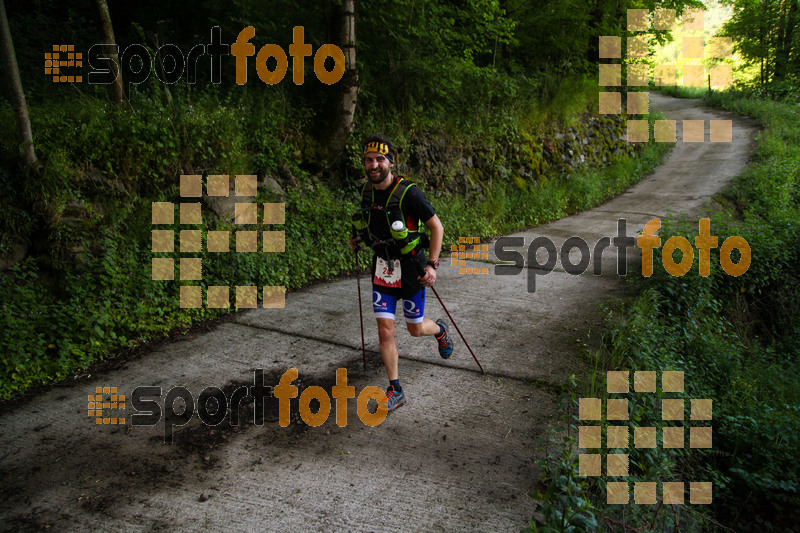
(382,275)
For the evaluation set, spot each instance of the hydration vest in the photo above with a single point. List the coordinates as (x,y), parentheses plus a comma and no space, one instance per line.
(393,248)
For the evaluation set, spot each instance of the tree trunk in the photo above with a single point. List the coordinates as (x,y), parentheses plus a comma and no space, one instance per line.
(17,94)
(787,39)
(595,24)
(779,69)
(763,38)
(769,63)
(343,104)
(116,91)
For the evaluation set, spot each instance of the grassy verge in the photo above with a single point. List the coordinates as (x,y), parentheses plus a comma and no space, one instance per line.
(737,340)
(681,91)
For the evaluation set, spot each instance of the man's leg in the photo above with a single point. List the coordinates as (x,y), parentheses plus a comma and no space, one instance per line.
(384,307)
(418,325)
(388,346)
(395,397)
(420,329)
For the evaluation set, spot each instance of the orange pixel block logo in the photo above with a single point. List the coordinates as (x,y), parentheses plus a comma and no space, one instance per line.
(63,55)
(459,255)
(618,438)
(245,237)
(635,59)
(106,398)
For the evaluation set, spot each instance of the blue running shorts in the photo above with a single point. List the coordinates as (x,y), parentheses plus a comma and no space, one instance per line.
(385,305)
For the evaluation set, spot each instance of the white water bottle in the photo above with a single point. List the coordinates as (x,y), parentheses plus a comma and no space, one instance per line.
(399,231)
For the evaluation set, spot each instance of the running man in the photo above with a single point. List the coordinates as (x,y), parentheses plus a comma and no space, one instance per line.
(389,223)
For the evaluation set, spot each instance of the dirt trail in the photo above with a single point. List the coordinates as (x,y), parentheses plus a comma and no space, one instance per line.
(458,456)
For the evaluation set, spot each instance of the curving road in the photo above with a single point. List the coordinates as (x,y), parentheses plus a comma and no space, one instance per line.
(458,456)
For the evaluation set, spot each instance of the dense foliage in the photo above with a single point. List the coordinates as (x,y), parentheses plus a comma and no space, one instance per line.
(736,339)
(767,34)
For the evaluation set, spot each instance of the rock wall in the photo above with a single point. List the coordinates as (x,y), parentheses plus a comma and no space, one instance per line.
(520,158)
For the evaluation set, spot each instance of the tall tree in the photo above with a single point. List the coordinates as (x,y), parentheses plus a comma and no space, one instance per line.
(116,90)
(785,38)
(765,32)
(436,56)
(17,94)
(343,103)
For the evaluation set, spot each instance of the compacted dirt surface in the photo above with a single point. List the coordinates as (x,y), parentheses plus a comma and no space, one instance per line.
(459,456)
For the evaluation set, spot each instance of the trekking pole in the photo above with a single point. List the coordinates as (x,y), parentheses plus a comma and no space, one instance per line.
(458,330)
(360,312)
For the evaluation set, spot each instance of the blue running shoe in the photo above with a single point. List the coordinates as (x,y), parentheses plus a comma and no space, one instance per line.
(445,342)
(395,399)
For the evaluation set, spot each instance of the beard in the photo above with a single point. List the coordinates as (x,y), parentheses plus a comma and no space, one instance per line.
(379,177)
